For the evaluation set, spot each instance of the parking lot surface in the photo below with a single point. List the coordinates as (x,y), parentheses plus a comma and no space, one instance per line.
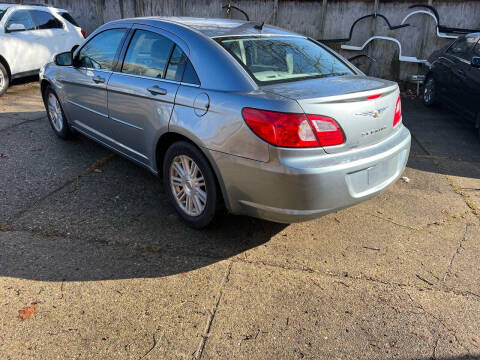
(95,264)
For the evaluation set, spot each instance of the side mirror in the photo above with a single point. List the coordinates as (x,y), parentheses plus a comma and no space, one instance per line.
(15,27)
(63,59)
(476,61)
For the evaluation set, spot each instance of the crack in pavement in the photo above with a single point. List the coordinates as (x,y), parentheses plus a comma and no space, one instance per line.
(457,251)
(201,346)
(23,122)
(100,162)
(425,226)
(441,322)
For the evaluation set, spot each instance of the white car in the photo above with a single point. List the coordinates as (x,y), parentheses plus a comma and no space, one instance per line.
(30,36)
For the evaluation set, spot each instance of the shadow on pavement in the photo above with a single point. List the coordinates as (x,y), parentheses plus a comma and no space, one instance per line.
(442,141)
(57,258)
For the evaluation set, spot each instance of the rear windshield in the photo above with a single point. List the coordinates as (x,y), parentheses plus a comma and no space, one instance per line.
(69,18)
(283,58)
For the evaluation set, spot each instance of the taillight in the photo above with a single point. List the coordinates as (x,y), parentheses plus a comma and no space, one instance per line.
(398,112)
(83,33)
(327,130)
(293,130)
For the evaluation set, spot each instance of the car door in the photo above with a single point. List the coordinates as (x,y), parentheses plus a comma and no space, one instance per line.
(51,35)
(85,83)
(460,54)
(141,93)
(20,40)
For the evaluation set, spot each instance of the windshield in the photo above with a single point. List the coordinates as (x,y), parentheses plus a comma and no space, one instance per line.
(2,12)
(283,58)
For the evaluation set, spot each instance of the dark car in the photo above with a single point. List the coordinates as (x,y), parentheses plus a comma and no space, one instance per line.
(454,77)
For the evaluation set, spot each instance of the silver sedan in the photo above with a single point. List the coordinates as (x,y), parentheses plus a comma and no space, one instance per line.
(264,121)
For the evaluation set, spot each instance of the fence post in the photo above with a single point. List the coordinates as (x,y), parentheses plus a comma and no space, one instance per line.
(138,8)
(100,4)
(183,6)
(275,12)
(322,19)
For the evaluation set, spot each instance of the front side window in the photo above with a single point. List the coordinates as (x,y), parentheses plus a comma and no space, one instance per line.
(271,59)
(99,53)
(147,54)
(462,47)
(44,20)
(20,20)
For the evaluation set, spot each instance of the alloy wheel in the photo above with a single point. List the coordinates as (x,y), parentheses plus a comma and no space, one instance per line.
(55,112)
(429,91)
(188,185)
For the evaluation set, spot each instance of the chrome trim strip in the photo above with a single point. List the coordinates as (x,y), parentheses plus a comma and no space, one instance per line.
(88,109)
(155,79)
(98,133)
(126,123)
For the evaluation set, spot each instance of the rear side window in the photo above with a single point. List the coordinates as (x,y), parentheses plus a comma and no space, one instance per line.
(476,49)
(462,47)
(2,12)
(99,52)
(147,54)
(22,19)
(180,68)
(44,20)
(69,18)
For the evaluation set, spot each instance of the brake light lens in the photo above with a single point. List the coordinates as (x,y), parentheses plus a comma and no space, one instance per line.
(398,112)
(293,130)
(83,33)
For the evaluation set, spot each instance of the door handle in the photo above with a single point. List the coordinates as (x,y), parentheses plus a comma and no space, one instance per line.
(98,79)
(157,90)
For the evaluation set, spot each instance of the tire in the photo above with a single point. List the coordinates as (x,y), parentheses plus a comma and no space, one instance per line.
(429,92)
(4,79)
(200,210)
(56,116)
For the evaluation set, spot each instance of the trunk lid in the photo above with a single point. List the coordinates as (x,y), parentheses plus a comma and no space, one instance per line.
(364,121)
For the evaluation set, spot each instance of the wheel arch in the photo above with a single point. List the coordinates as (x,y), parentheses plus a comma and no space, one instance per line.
(7,67)
(169,138)
(43,86)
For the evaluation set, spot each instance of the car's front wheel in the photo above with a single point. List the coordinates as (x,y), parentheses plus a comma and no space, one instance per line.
(55,114)
(190,184)
(430,92)
(4,79)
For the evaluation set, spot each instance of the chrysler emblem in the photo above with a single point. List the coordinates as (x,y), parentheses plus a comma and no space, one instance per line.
(375,114)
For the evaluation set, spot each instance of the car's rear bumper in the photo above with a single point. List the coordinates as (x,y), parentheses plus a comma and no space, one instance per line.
(297,185)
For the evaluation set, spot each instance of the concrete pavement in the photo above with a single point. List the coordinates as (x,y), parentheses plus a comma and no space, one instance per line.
(90,244)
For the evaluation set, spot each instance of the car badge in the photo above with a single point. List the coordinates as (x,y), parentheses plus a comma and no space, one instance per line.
(375,114)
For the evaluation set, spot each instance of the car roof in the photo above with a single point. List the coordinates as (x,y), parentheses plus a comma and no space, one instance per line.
(30,7)
(213,27)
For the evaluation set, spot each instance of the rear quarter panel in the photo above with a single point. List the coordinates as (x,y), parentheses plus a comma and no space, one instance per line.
(222,127)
